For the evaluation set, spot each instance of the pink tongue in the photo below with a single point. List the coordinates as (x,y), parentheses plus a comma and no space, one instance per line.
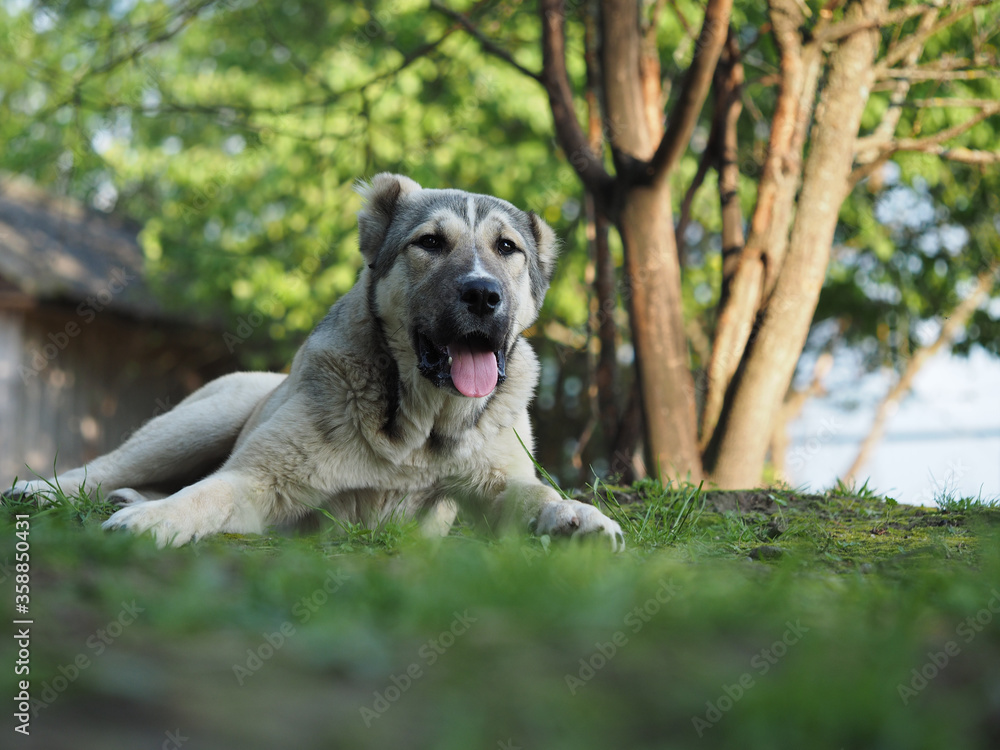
(473,373)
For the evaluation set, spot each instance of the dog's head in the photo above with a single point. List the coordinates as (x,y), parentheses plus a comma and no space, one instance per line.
(462,275)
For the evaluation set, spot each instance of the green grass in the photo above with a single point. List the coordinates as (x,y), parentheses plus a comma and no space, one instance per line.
(960,504)
(765,619)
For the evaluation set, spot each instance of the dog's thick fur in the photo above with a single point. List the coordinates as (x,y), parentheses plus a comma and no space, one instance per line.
(408,397)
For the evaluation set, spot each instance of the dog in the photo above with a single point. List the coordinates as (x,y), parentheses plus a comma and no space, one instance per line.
(409,400)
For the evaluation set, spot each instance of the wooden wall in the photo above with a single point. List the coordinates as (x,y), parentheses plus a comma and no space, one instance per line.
(90,390)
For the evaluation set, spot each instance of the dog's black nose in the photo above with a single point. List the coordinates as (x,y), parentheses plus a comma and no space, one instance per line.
(482,296)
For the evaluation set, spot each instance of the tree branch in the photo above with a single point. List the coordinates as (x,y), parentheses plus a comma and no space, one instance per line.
(171,26)
(836,31)
(696,85)
(684,215)
(297,62)
(173,105)
(917,39)
(925,74)
(650,72)
(682,18)
(555,79)
(887,127)
(743,291)
(604,326)
(959,154)
(938,102)
(870,148)
(485,42)
(181,20)
(408,59)
(729,89)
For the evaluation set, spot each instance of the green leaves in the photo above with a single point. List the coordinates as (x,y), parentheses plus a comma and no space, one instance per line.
(234,131)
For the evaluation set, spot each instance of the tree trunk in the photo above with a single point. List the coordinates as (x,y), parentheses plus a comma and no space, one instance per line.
(626,461)
(739,448)
(606,292)
(605,274)
(645,223)
(647,231)
(728,104)
(743,288)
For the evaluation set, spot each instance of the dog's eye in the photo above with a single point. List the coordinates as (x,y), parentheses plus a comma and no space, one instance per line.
(430,242)
(506,247)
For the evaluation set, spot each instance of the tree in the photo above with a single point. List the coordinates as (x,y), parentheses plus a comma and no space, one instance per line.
(771,281)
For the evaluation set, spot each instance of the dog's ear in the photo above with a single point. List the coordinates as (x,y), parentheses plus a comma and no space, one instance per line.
(380,197)
(548,246)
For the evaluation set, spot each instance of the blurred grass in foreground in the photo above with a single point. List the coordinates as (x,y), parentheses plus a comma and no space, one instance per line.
(762,619)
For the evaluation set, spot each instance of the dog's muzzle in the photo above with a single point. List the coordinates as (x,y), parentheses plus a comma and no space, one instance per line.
(466,347)
(472,364)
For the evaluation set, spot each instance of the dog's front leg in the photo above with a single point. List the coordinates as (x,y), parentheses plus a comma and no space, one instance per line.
(189,440)
(222,502)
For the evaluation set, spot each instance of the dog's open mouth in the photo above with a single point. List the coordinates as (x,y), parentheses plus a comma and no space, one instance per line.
(470,363)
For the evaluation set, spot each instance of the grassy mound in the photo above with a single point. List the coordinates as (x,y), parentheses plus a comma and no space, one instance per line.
(763,619)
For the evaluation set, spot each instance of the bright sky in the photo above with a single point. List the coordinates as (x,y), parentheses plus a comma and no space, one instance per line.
(945,437)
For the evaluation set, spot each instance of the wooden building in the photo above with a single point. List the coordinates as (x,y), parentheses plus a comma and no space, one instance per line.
(87,354)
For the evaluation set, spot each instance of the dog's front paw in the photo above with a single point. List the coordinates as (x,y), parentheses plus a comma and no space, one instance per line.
(158,517)
(575,519)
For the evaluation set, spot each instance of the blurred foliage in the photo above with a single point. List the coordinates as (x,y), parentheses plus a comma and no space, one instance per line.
(235,129)
(916,234)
